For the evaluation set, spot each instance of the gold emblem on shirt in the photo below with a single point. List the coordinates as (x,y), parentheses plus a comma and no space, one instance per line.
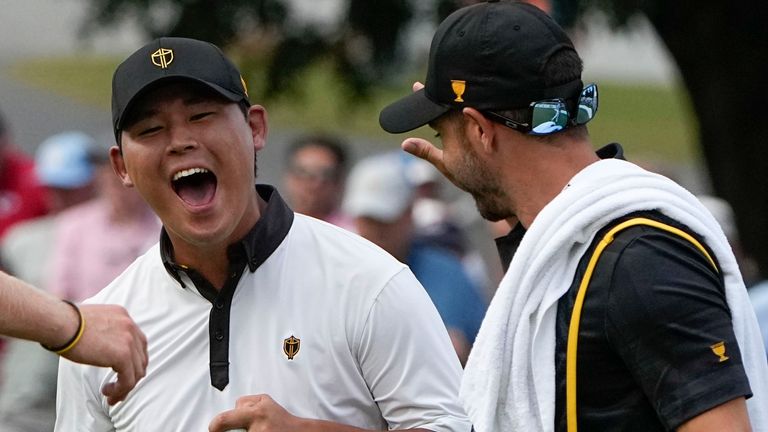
(291,346)
(719,350)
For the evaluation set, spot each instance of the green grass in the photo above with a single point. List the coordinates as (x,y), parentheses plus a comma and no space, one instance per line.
(653,122)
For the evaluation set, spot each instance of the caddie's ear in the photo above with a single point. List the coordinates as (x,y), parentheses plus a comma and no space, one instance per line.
(479,129)
(118,165)
(257,120)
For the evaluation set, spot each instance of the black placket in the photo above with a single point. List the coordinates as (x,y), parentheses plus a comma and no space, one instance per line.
(251,251)
(218,321)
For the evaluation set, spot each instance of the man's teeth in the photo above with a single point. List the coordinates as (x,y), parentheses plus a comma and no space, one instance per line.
(188,172)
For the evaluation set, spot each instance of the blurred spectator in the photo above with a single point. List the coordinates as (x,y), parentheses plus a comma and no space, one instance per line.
(723,213)
(98,239)
(437,223)
(21,196)
(64,164)
(316,170)
(379,198)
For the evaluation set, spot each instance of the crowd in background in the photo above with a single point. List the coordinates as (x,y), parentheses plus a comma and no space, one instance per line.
(68,226)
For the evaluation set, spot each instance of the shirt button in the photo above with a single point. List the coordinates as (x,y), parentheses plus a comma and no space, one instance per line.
(219,304)
(219,335)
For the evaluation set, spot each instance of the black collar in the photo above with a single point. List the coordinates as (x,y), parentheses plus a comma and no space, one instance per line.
(611,151)
(265,236)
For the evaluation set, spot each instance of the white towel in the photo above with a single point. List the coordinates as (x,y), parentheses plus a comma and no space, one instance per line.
(509,381)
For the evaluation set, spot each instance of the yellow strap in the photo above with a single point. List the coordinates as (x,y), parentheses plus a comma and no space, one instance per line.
(573,328)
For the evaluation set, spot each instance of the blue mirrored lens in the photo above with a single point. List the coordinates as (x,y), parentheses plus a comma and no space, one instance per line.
(587,104)
(549,117)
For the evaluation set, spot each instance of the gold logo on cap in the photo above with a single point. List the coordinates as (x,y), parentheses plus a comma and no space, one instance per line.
(291,346)
(458,87)
(162,57)
(245,87)
(719,350)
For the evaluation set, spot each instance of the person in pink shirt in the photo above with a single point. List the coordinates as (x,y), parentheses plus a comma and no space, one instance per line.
(21,195)
(98,239)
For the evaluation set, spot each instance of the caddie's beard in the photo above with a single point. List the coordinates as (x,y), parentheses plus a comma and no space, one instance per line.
(490,197)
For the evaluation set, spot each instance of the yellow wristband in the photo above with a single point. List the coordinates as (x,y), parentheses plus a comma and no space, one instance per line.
(60,350)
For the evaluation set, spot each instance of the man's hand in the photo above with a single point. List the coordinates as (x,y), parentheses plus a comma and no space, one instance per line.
(260,413)
(112,339)
(424,149)
(257,413)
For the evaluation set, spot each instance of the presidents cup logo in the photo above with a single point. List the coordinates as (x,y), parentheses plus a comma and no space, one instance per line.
(162,57)
(458,87)
(719,350)
(291,346)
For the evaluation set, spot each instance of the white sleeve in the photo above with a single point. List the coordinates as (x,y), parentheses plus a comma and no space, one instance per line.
(407,359)
(79,406)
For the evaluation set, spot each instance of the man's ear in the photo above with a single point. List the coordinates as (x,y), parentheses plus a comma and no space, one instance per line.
(479,129)
(118,165)
(257,120)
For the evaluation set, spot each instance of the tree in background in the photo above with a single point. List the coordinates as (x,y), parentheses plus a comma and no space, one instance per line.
(719,48)
(362,48)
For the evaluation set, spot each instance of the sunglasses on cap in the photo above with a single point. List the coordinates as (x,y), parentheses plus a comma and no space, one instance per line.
(552,115)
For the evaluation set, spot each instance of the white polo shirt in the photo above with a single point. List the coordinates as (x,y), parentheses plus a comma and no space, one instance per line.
(323,321)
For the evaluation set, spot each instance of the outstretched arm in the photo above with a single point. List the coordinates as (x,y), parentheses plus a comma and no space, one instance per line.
(109,337)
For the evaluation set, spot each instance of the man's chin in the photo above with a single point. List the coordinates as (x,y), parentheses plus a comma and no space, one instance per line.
(491,213)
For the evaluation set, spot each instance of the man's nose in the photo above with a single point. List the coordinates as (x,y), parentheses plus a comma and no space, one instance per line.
(182,140)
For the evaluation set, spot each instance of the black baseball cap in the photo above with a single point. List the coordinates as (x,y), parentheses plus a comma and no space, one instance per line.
(488,56)
(170,58)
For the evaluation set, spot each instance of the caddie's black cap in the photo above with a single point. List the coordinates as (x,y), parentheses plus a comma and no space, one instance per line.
(171,58)
(489,56)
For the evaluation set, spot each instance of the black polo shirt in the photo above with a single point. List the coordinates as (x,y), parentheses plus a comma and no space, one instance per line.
(250,252)
(653,310)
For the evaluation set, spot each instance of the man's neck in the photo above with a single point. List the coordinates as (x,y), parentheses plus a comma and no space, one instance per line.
(211,260)
(540,176)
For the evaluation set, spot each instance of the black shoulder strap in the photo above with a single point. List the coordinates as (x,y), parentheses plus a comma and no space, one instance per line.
(573,328)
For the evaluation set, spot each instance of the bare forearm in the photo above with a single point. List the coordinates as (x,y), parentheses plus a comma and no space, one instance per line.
(28,313)
(731,416)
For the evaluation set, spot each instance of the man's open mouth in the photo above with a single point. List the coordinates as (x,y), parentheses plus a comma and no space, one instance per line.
(195,186)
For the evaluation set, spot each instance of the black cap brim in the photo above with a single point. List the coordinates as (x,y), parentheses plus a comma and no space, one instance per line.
(410,112)
(229,95)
